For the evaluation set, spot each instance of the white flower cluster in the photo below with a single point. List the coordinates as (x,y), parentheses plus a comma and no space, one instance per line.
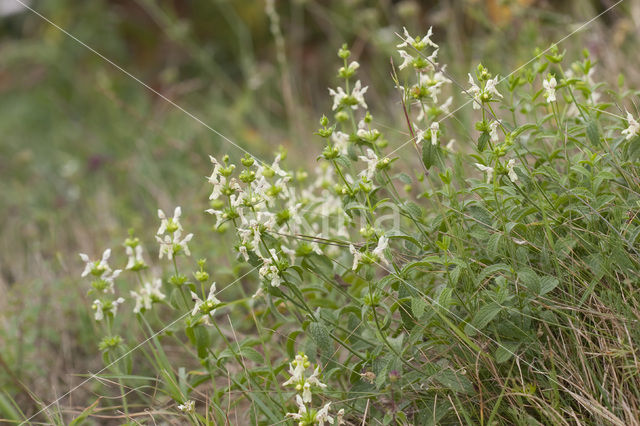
(485,94)
(150,292)
(431,79)
(304,385)
(147,295)
(101,271)
(369,257)
(549,84)
(267,213)
(188,406)
(633,129)
(206,307)
(172,243)
(102,283)
(510,169)
(353,100)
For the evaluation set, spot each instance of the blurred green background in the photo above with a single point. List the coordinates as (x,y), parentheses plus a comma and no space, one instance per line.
(86,152)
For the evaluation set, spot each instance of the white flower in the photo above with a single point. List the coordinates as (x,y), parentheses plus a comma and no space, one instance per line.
(475,91)
(302,410)
(289,252)
(419,133)
(216,170)
(487,169)
(206,306)
(171,224)
(323,415)
(357,256)
(313,379)
(493,130)
(550,89)
(242,249)
(258,293)
(338,97)
(149,293)
(296,369)
(407,59)
(490,87)
(218,184)
(450,145)
(364,132)
(446,105)
(340,141)
(372,162)
(107,306)
(479,94)
(96,267)
(340,417)
(269,270)
(358,94)
(355,99)
(275,166)
(632,130)
(187,407)
(172,245)
(512,174)
(108,279)
(434,132)
(97,306)
(434,82)
(419,44)
(378,252)
(135,262)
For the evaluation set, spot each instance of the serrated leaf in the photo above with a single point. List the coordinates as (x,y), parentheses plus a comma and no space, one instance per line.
(320,335)
(505,351)
(454,381)
(398,234)
(418,306)
(530,280)
(547,284)
(413,209)
(404,178)
(593,133)
(482,318)
(253,355)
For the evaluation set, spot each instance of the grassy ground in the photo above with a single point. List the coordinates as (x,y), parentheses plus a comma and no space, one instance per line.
(86,152)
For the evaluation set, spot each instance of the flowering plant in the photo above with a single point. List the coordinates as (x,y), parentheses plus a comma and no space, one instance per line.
(418,290)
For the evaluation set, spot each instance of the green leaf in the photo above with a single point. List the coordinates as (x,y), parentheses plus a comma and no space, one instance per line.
(593,133)
(482,141)
(396,233)
(202,340)
(320,335)
(412,209)
(524,128)
(454,381)
(85,414)
(505,351)
(547,284)
(291,343)
(253,355)
(431,155)
(404,178)
(482,318)
(418,306)
(530,280)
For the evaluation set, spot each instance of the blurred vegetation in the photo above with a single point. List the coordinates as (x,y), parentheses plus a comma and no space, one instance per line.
(86,151)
